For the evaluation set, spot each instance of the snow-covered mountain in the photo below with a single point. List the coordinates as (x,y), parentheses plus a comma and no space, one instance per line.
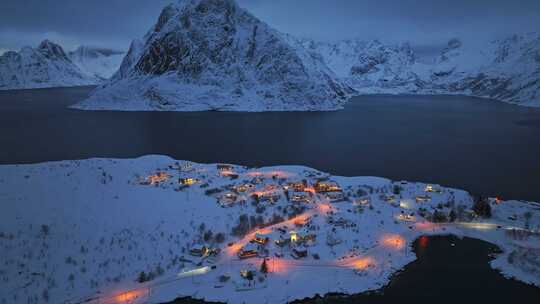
(101,63)
(367,64)
(214,55)
(42,67)
(506,70)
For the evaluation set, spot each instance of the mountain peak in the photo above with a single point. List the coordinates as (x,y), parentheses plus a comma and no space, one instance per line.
(212,54)
(194,8)
(44,66)
(52,50)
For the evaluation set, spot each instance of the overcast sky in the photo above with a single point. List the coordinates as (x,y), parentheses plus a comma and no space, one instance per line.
(114,23)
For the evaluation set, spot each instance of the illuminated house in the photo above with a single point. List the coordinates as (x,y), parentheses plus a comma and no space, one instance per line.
(335,196)
(188,181)
(301,197)
(406,217)
(260,239)
(248,251)
(423,198)
(247,274)
(361,202)
(294,236)
(227,199)
(328,186)
(224,167)
(157,178)
(199,251)
(297,186)
(430,188)
(244,187)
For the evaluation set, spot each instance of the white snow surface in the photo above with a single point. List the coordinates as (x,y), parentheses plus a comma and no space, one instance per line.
(42,67)
(97,62)
(82,231)
(214,55)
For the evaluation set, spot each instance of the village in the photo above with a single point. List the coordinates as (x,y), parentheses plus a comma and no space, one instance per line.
(322,222)
(229,233)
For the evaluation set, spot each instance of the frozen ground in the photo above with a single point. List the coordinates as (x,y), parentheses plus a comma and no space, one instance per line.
(88,231)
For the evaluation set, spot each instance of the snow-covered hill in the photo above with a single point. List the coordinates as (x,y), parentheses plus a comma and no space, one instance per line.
(214,55)
(42,67)
(100,63)
(506,70)
(152,229)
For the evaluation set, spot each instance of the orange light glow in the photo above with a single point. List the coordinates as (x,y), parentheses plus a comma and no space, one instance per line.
(324,208)
(310,190)
(265,231)
(227,173)
(425,226)
(131,296)
(299,220)
(158,178)
(234,249)
(362,263)
(423,241)
(278,265)
(394,241)
(263,193)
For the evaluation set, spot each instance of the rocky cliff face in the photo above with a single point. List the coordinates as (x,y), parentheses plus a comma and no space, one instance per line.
(45,66)
(213,55)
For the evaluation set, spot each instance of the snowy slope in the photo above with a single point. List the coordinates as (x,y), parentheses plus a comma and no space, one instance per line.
(97,62)
(41,67)
(214,55)
(507,70)
(96,224)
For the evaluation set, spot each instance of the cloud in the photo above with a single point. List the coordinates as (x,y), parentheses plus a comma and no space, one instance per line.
(115,23)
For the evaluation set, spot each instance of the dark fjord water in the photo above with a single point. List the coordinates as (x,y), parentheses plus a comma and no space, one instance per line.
(482,146)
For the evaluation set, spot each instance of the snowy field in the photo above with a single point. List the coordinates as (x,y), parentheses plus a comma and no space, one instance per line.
(152,229)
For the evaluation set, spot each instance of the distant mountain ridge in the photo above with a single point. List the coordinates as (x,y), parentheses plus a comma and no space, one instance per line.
(48,65)
(42,67)
(506,70)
